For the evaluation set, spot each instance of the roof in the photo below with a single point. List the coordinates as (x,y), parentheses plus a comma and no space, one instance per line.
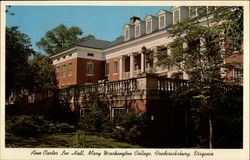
(115,42)
(93,43)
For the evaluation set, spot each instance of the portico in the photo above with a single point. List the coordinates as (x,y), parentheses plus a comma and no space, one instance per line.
(133,64)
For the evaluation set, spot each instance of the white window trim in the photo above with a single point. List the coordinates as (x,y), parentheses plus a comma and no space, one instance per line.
(179,16)
(139,31)
(69,74)
(118,108)
(127,38)
(164,21)
(64,70)
(149,21)
(93,69)
(115,73)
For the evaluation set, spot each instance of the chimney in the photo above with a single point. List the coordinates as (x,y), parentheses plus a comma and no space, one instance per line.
(133,19)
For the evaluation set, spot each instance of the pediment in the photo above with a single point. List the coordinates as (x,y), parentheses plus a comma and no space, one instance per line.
(162,11)
(148,17)
(126,26)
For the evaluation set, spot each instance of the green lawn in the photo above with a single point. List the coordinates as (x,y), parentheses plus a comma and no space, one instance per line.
(65,140)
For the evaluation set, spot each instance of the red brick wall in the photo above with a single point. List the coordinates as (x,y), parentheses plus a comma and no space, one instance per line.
(112,76)
(233,58)
(79,72)
(82,76)
(68,79)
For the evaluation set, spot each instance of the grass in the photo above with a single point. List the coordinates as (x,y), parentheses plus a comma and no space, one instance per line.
(64,140)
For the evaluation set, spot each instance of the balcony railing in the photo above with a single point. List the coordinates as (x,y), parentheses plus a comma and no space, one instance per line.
(125,75)
(107,88)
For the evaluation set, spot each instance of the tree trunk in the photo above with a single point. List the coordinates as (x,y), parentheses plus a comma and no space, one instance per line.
(210,131)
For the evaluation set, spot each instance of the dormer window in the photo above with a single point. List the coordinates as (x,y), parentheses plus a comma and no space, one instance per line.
(161,22)
(149,26)
(126,34)
(137,30)
(202,11)
(192,11)
(165,19)
(176,16)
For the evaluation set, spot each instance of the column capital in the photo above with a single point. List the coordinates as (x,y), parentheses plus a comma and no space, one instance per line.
(131,54)
(120,57)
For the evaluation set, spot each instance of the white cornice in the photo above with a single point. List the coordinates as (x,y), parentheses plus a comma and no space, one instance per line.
(63,53)
(136,40)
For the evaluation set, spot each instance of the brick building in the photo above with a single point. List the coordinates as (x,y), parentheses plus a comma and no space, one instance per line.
(93,60)
(96,60)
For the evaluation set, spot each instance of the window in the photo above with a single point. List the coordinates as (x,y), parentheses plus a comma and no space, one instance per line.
(211,9)
(63,57)
(70,55)
(116,112)
(58,71)
(202,11)
(106,68)
(176,16)
(84,112)
(64,71)
(91,54)
(238,75)
(192,11)
(58,59)
(115,69)
(149,26)
(90,68)
(161,22)
(137,30)
(70,69)
(126,34)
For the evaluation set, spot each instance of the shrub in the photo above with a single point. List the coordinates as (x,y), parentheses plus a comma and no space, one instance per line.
(25,125)
(130,127)
(96,120)
(64,128)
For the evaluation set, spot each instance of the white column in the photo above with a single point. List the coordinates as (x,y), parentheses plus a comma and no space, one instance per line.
(132,65)
(185,75)
(142,63)
(120,67)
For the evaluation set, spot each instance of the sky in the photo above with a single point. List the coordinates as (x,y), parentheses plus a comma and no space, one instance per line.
(104,22)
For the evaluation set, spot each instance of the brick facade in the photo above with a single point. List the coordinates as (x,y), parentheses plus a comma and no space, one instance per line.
(78,74)
(68,79)
(111,76)
(234,58)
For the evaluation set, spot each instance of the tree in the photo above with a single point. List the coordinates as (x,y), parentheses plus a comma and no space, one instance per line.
(60,38)
(7,11)
(18,50)
(43,73)
(197,50)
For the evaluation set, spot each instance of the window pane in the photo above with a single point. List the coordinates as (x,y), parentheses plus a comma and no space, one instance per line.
(149,26)
(162,23)
(126,34)
(118,112)
(64,70)
(70,69)
(202,11)
(90,68)
(192,11)
(176,16)
(58,72)
(137,31)
(115,67)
